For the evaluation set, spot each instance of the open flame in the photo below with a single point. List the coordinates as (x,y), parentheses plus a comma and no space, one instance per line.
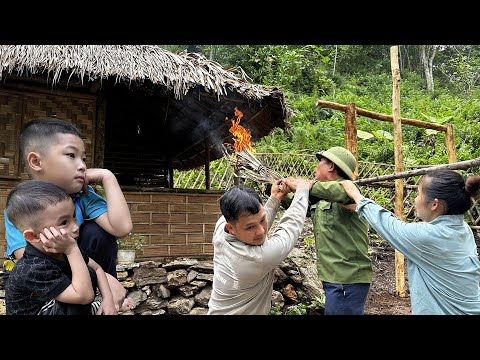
(242,158)
(241,136)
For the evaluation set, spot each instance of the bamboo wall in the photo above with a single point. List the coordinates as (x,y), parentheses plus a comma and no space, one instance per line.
(174,222)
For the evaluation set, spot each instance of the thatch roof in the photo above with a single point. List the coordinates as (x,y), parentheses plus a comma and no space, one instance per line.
(195,82)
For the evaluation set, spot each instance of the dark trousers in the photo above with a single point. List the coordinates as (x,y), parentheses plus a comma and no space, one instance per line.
(345,299)
(99,245)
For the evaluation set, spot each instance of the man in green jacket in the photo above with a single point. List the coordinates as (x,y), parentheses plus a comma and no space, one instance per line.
(341,238)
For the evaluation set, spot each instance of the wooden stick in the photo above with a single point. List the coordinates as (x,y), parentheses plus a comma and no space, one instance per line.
(382,117)
(390,185)
(460,165)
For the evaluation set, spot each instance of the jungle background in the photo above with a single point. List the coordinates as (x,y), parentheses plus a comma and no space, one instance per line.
(439,83)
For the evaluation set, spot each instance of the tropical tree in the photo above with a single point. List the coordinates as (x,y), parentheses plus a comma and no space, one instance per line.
(427,55)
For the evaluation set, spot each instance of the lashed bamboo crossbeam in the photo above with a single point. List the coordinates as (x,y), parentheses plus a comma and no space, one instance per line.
(460,165)
(382,117)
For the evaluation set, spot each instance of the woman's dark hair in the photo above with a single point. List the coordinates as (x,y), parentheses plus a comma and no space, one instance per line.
(449,187)
(238,200)
(472,185)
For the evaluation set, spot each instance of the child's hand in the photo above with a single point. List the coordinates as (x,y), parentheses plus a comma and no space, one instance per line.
(57,241)
(95,176)
(107,308)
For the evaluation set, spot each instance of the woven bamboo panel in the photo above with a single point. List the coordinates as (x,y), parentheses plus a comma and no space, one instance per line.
(174,223)
(303,165)
(290,164)
(10,123)
(221,176)
(79,111)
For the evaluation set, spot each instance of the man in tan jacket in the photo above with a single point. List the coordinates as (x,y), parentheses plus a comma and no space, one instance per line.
(244,259)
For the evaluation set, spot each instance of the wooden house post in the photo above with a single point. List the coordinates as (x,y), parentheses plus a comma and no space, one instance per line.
(170,173)
(207,164)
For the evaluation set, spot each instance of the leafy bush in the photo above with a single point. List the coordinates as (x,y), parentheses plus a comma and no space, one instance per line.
(131,242)
(315,306)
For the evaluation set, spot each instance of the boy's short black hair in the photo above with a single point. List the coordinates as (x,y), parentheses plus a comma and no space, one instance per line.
(38,134)
(238,200)
(29,198)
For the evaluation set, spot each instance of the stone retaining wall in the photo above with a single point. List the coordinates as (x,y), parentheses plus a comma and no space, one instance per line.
(175,286)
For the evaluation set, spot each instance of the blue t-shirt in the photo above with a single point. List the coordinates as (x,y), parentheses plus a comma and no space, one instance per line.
(87,207)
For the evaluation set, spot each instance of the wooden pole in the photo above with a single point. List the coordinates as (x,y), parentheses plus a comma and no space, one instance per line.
(236,179)
(460,165)
(207,166)
(397,139)
(170,174)
(351,133)
(450,139)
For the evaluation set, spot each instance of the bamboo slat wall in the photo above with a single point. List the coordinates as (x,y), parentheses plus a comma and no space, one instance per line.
(174,223)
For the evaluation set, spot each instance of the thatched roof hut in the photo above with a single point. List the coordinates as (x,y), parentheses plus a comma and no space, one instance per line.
(171,108)
(143,112)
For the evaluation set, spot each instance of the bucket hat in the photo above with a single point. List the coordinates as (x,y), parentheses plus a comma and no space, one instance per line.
(341,157)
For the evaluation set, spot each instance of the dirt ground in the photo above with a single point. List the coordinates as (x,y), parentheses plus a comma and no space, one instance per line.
(382,299)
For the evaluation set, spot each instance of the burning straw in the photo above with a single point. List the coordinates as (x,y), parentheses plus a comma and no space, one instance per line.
(251,168)
(242,157)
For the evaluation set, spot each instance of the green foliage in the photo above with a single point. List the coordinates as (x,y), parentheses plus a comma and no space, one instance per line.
(311,129)
(276,310)
(100,191)
(317,305)
(363,59)
(383,135)
(309,243)
(131,242)
(298,68)
(364,135)
(299,309)
(460,66)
